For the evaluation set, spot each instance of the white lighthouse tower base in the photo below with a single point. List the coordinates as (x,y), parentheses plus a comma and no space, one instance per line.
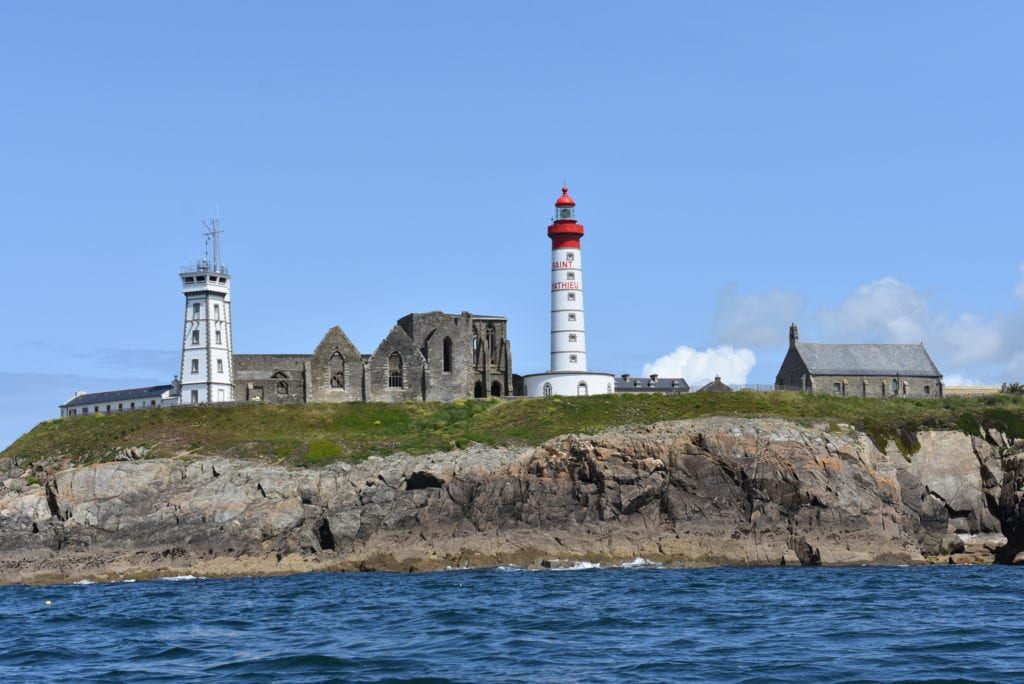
(568,384)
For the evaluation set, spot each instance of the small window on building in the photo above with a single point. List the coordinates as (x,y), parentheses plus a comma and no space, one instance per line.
(216,312)
(547,390)
(108,408)
(195,396)
(282,388)
(132,405)
(195,337)
(195,310)
(572,296)
(74,412)
(220,395)
(572,337)
(895,387)
(195,365)
(572,317)
(837,388)
(446,355)
(927,390)
(569,256)
(217,336)
(85,410)
(637,383)
(338,380)
(571,275)
(152,402)
(220,365)
(572,358)
(581,389)
(120,407)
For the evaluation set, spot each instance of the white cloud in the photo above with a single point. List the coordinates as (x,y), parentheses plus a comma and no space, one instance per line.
(885,310)
(957,380)
(699,367)
(756,320)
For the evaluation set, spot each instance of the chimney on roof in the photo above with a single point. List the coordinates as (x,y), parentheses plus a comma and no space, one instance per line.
(654,377)
(794,335)
(625,376)
(79,393)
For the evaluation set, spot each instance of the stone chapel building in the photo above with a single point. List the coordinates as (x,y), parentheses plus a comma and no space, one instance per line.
(859,370)
(431,356)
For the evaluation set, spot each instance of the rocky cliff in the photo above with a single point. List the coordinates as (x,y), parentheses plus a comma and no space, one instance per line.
(707,491)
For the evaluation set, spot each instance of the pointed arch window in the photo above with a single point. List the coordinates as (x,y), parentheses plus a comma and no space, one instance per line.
(282,388)
(581,389)
(395,370)
(446,355)
(547,389)
(336,368)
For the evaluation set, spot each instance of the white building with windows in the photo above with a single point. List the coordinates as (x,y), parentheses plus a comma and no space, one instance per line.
(568,375)
(206,362)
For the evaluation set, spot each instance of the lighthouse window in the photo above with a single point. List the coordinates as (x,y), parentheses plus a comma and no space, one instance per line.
(195,337)
(572,358)
(195,365)
(547,389)
(572,317)
(570,275)
(195,311)
(569,256)
(220,365)
(218,336)
(216,312)
(572,296)
(572,337)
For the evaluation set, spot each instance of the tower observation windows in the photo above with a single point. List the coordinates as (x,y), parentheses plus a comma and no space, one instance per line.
(195,337)
(195,365)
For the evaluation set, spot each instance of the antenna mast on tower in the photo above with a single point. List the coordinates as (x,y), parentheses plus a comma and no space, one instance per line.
(213,232)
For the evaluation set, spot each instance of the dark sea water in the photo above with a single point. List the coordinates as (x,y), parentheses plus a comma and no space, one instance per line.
(632,624)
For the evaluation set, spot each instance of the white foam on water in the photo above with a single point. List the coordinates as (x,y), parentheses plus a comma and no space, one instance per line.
(639,562)
(581,565)
(179,578)
(510,568)
(85,582)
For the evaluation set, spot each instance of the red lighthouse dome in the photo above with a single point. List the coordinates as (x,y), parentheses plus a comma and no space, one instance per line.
(565,200)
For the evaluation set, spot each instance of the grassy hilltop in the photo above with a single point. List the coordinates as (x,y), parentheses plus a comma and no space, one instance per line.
(313,434)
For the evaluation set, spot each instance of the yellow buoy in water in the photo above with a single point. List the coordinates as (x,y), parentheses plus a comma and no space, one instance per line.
(49,603)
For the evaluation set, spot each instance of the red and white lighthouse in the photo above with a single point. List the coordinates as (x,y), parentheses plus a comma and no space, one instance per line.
(568,374)
(568,337)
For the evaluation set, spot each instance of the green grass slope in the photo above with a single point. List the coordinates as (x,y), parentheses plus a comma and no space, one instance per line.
(313,434)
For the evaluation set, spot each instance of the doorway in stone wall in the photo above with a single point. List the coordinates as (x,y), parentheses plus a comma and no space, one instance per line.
(495,389)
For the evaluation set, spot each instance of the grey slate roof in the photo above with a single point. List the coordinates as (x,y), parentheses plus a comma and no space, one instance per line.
(645,384)
(153,392)
(867,359)
(716,385)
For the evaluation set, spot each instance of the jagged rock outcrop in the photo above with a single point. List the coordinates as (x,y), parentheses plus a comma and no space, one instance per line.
(708,491)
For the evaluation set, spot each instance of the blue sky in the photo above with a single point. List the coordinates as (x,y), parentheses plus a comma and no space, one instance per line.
(855,167)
